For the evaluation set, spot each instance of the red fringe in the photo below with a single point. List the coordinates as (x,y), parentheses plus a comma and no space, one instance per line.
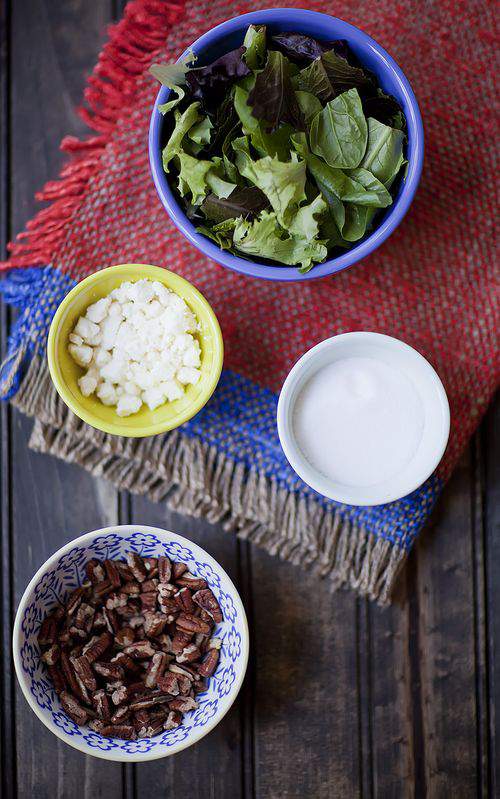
(132,45)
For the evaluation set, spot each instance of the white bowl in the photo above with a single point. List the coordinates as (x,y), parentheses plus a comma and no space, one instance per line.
(428,389)
(61,573)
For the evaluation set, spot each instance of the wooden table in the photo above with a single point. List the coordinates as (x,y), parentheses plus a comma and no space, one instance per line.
(342,699)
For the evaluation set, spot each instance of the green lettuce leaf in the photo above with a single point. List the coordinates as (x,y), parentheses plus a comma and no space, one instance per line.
(339,132)
(164,108)
(222,233)
(283,183)
(305,223)
(183,123)
(263,238)
(216,179)
(330,75)
(384,152)
(201,132)
(246,202)
(314,80)
(272,98)
(197,177)
(255,44)
(173,76)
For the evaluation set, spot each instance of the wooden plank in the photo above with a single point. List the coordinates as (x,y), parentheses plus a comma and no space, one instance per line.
(213,767)
(52,502)
(446,643)
(391,696)
(491,496)
(306,708)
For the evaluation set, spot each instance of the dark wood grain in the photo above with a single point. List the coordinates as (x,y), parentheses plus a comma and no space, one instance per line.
(342,699)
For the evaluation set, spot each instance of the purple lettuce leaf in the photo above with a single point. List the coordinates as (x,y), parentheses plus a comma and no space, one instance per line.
(210,84)
(302,49)
(272,98)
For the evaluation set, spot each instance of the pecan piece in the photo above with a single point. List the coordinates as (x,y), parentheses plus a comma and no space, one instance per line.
(209,663)
(159,663)
(95,571)
(126,662)
(189,654)
(178,569)
(193,582)
(154,624)
(125,637)
(74,685)
(182,671)
(180,640)
(48,630)
(120,695)
(173,720)
(112,573)
(140,650)
(119,731)
(136,566)
(184,704)
(97,649)
(97,724)
(73,708)
(151,566)
(84,672)
(148,601)
(124,571)
(57,678)
(192,624)
(51,656)
(168,684)
(110,671)
(132,588)
(150,700)
(102,588)
(121,716)
(101,704)
(207,601)
(150,730)
(150,586)
(164,569)
(84,617)
(116,601)
(184,599)
(74,600)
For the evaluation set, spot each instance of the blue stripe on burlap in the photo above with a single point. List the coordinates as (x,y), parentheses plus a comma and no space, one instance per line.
(239,420)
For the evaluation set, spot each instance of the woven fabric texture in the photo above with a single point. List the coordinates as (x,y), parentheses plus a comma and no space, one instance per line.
(432,284)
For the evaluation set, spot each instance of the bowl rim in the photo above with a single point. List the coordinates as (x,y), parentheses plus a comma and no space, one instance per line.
(17,633)
(312,476)
(121,428)
(332,265)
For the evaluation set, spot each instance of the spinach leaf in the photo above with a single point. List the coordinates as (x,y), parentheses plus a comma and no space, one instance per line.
(357,221)
(339,132)
(325,178)
(246,202)
(272,98)
(384,152)
(313,79)
(255,46)
(366,189)
(343,76)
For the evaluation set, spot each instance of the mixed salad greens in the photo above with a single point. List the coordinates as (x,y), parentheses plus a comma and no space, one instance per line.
(284,149)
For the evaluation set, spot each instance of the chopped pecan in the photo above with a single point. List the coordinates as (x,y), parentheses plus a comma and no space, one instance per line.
(150,700)
(70,676)
(150,586)
(126,731)
(209,664)
(116,601)
(126,662)
(140,650)
(74,600)
(151,566)
(189,654)
(121,715)
(168,684)
(207,601)
(148,601)
(101,704)
(159,663)
(48,630)
(184,704)
(182,671)
(164,569)
(57,678)
(200,686)
(84,617)
(95,571)
(120,695)
(192,624)
(154,624)
(178,569)
(193,582)
(184,599)
(77,633)
(102,589)
(136,621)
(98,621)
(112,573)
(98,724)
(82,668)
(173,720)
(136,566)
(125,637)
(180,640)
(141,718)
(124,570)
(98,648)
(133,588)
(51,656)
(110,671)
(73,708)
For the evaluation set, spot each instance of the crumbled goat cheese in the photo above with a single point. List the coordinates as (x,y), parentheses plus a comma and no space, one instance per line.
(138,346)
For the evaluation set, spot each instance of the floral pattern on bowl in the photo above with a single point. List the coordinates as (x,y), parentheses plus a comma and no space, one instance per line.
(64,572)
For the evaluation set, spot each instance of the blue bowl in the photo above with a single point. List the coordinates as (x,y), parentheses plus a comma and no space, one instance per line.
(229,35)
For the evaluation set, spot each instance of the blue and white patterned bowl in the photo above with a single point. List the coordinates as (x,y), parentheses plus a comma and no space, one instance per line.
(61,573)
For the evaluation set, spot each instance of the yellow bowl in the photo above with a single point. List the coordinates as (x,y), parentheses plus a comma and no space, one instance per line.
(65,372)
